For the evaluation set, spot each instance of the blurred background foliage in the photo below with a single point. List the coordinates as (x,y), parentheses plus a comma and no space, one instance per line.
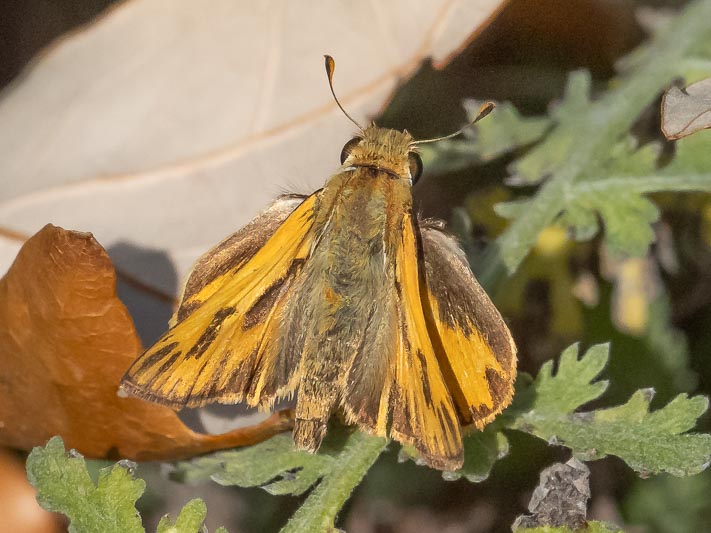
(653,309)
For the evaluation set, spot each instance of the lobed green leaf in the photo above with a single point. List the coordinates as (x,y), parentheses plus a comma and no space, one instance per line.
(64,486)
(273,465)
(649,442)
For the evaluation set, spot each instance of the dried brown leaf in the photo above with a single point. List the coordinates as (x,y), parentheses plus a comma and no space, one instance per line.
(686,111)
(65,342)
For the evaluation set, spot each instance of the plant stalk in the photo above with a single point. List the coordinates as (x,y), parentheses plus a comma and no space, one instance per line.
(318,513)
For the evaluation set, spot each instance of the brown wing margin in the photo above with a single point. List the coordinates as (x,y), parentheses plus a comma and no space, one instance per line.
(215,349)
(474,347)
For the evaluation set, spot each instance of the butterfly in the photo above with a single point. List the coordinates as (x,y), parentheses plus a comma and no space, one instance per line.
(348,303)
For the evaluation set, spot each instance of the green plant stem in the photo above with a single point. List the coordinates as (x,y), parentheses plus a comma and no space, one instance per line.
(606,121)
(672,183)
(318,513)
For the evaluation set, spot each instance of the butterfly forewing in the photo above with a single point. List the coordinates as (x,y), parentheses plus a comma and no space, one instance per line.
(212,354)
(234,251)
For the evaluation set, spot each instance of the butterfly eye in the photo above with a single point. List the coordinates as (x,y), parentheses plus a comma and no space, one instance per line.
(348,147)
(415,166)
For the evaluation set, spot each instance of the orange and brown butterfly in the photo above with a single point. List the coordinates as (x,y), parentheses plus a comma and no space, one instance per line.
(347,303)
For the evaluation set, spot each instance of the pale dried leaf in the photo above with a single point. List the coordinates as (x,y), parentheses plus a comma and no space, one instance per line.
(560,499)
(686,111)
(168,125)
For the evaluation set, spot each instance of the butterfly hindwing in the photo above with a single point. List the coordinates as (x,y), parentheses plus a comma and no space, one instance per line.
(476,351)
(423,413)
(226,324)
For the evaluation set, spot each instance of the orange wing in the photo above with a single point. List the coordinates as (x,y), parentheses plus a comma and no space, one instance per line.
(423,413)
(474,347)
(226,336)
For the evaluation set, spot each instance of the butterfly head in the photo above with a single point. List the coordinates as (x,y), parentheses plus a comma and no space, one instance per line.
(384,149)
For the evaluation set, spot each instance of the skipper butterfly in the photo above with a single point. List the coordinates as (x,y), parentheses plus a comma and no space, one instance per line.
(347,302)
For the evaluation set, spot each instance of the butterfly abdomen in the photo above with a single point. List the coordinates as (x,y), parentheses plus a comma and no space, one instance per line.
(341,316)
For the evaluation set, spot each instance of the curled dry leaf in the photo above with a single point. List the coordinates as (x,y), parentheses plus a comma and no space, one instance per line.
(686,111)
(65,342)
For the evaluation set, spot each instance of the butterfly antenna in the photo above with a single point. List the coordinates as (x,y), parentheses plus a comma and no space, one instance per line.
(484,110)
(330,69)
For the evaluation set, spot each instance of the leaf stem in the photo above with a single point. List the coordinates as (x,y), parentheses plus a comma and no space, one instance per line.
(596,131)
(318,513)
(681,182)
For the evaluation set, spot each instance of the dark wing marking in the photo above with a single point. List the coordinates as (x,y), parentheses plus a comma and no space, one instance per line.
(474,347)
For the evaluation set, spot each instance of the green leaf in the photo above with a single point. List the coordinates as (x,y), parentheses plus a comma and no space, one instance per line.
(323,504)
(587,174)
(190,519)
(512,209)
(64,486)
(627,218)
(539,164)
(481,450)
(649,442)
(581,220)
(273,465)
(572,386)
(505,130)
(626,214)
(343,459)
(615,193)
